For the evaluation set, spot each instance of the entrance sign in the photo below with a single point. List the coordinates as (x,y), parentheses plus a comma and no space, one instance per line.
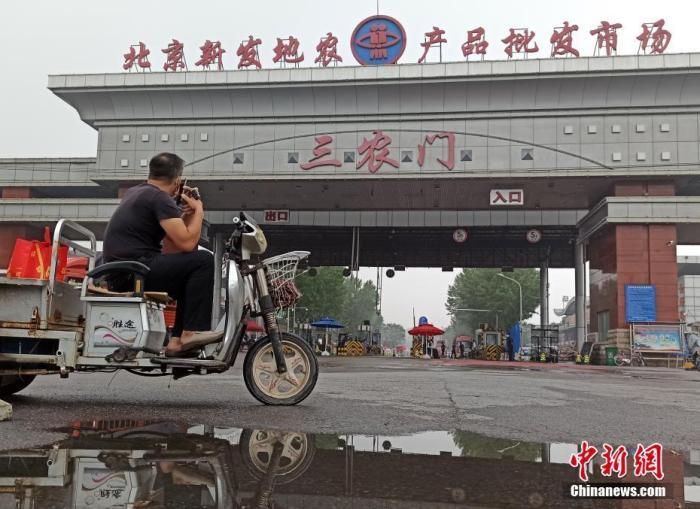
(657,338)
(640,303)
(378,40)
(512,197)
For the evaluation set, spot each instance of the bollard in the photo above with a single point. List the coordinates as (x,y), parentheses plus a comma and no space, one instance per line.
(5,410)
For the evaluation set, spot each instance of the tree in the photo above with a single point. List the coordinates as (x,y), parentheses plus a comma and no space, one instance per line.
(393,334)
(322,295)
(360,304)
(349,300)
(484,289)
(475,445)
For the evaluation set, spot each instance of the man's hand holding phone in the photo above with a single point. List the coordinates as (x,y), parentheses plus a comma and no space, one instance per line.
(192,206)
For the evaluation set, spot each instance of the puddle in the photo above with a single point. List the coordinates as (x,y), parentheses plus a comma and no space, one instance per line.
(129,464)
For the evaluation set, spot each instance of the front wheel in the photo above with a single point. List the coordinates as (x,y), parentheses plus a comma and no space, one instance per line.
(257,450)
(272,388)
(619,359)
(12,384)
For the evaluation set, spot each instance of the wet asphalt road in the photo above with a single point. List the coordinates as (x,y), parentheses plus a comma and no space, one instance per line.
(389,396)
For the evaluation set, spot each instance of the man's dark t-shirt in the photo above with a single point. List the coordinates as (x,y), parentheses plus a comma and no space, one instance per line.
(134,231)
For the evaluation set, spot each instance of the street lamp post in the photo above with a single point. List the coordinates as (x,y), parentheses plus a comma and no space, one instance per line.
(520,289)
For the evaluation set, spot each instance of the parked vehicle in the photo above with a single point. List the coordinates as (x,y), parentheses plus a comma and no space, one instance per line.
(62,327)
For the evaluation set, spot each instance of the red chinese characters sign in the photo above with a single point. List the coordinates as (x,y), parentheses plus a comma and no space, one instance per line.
(321,153)
(287,51)
(518,41)
(507,197)
(448,163)
(327,50)
(139,60)
(381,40)
(606,37)
(175,56)
(248,53)
(375,152)
(654,37)
(276,216)
(476,43)
(562,40)
(212,54)
(433,38)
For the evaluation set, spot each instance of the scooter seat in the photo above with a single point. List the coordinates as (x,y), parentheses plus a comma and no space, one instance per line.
(131,267)
(160,297)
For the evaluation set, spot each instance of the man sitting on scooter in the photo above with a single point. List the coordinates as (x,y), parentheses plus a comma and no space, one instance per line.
(149,227)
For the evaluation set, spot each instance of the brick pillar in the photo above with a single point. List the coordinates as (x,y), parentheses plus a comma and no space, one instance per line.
(633,254)
(17,192)
(674,480)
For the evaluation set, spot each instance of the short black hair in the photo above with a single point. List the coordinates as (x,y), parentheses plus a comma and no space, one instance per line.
(165,166)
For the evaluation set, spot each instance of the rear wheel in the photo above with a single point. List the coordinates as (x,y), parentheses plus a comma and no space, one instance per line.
(267,385)
(12,384)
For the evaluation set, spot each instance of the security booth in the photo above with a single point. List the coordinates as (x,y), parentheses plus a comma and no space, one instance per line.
(489,343)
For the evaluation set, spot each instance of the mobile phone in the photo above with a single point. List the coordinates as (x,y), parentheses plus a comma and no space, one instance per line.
(180,190)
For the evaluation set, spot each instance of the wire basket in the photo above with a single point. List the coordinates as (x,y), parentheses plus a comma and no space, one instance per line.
(281,271)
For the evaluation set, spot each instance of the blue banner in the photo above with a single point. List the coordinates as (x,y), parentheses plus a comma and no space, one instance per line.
(515,336)
(640,303)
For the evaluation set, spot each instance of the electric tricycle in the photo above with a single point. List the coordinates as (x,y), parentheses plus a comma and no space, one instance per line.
(138,465)
(51,326)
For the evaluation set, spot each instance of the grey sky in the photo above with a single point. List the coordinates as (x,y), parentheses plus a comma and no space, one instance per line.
(41,37)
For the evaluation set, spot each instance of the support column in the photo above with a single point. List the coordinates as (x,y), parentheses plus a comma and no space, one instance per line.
(632,253)
(218,248)
(580,270)
(544,294)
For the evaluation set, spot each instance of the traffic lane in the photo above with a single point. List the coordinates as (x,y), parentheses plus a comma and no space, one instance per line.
(385,396)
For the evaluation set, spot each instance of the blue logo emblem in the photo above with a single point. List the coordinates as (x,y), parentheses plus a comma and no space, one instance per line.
(378,40)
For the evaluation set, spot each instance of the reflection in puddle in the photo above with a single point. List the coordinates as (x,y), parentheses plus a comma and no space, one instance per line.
(139,464)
